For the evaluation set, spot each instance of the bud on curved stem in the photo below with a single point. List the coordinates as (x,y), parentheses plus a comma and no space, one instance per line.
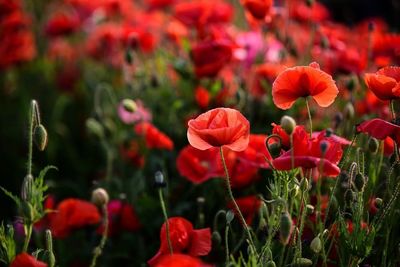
(49,247)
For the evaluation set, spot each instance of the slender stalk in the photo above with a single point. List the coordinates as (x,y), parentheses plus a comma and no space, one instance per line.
(309,117)
(392,110)
(164,210)
(226,245)
(239,213)
(28,230)
(99,249)
(33,111)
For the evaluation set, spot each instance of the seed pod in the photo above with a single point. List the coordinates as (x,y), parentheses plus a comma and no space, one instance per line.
(288,124)
(274,149)
(373,145)
(100,197)
(316,245)
(40,137)
(159,181)
(286,227)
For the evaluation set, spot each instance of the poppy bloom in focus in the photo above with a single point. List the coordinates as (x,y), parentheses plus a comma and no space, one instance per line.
(309,154)
(199,165)
(304,81)
(380,129)
(209,57)
(385,83)
(26,260)
(154,137)
(72,214)
(249,207)
(184,239)
(258,8)
(219,127)
(180,260)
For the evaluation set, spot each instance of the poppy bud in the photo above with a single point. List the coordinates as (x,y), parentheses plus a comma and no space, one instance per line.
(270,264)
(304,185)
(323,146)
(349,111)
(337,119)
(229,216)
(51,259)
(159,181)
(302,262)
(316,245)
(351,83)
(40,137)
(288,124)
(129,105)
(295,191)
(286,227)
(353,170)
(373,145)
(27,188)
(216,238)
(310,209)
(360,181)
(349,197)
(100,197)
(274,149)
(378,202)
(94,127)
(328,132)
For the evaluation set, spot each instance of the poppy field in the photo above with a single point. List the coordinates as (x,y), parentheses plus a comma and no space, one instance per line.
(174,133)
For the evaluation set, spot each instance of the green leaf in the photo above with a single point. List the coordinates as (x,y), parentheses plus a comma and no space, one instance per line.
(11,195)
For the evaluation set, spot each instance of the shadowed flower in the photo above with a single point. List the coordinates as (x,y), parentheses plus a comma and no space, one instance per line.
(154,137)
(197,165)
(385,83)
(380,129)
(73,214)
(307,153)
(304,81)
(184,239)
(26,260)
(180,260)
(219,127)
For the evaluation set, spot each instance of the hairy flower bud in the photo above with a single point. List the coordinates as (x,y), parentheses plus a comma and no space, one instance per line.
(349,197)
(159,181)
(216,238)
(288,124)
(360,182)
(316,245)
(94,127)
(100,197)
(27,188)
(40,137)
(286,227)
(349,111)
(274,149)
(229,216)
(373,145)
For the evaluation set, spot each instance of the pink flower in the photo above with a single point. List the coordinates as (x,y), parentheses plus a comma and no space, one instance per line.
(140,114)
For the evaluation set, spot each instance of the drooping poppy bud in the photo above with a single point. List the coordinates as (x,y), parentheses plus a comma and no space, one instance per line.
(100,197)
(286,227)
(316,245)
(373,145)
(40,137)
(288,124)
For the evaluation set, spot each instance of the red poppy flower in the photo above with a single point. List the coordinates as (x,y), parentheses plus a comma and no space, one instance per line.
(132,154)
(385,83)
(199,165)
(317,12)
(304,81)
(62,24)
(380,129)
(256,153)
(184,239)
(249,207)
(258,8)
(72,214)
(371,104)
(180,260)
(219,127)
(336,138)
(242,172)
(122,217)
(308,154)
(388,146)
(209,57)
(26,260)
(202,97)
(285,139)
(154,138)
(264,74)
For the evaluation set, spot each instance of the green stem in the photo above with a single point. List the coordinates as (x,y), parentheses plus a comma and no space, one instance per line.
(239,213)
(392,110)
(99,249)
(226,245)
(33,112)
(164,210)
(309,117)
(28,230)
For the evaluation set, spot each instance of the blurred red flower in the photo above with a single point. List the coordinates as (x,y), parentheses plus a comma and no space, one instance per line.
(380,129)
(258,8)
(199,165)
(303,81)
(122,217)
(26,260)
(385,83)
(133,154)
(180,260)
(249,207)
(184,239)
(154,137)
(202,97)
(308,154)
(209,57)
(256,154)
(62,23)
(72,214)
(219,127)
